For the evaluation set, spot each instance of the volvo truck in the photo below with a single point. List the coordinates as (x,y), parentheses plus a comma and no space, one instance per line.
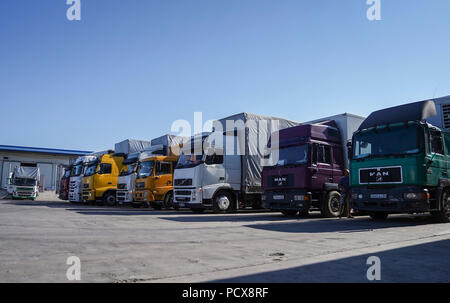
(222,170)
(76,177)
(310,159)
(131,150)
(23,183)
(400,161)
(100,179)
(154,181)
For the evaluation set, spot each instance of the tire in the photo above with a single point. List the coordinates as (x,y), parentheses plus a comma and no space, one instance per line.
(304,213)
(443,215)
(379,216)
(223,202)
(289,213)
(110,199)
(168,200)
(331,206)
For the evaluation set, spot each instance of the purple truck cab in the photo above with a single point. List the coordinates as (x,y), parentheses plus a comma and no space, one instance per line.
(307,166)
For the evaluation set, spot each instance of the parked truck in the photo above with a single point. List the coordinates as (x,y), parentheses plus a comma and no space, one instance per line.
(310,159)
(63,193)
(76,177)
(131,150)
(23,183)
(400,161)
(100,178)
(222,170)
(154,180)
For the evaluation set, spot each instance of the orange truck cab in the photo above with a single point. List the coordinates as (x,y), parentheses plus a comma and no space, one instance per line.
(100,179)
(154,182)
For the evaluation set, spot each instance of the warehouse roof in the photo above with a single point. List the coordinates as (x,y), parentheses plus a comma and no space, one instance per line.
(44,150)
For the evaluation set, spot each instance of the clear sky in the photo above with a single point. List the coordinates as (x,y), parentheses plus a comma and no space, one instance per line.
(130,68)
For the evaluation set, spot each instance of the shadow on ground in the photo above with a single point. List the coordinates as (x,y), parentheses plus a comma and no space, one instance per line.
(424,263)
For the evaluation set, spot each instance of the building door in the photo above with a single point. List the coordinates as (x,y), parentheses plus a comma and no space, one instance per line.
(8,167)
(46,171)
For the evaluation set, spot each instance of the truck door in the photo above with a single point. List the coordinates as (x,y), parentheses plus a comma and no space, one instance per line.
(163,179)
(321,165)
(439,165)
(103,179)
(338,163)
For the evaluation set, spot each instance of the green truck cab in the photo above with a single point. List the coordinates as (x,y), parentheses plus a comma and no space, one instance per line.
(401,163)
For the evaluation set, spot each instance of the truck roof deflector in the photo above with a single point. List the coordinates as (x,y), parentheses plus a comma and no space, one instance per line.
(417,111)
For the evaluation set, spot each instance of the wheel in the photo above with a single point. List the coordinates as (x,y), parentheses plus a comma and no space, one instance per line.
(443,215)
(289,213)
(223,202)
(379,216)
(110,199)
(331,206)
(168,200)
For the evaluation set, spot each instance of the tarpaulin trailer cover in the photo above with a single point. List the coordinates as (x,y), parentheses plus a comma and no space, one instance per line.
(252,150)
(25,172)
(131,146)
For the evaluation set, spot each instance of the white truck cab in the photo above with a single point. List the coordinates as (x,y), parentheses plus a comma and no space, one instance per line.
(23,183)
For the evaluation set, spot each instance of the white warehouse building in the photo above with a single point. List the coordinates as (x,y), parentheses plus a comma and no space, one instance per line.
(51,162)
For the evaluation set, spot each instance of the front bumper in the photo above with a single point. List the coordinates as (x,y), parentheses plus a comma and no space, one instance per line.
(124,196)
(88,195)
(189,197)
(299,200)
(389,200)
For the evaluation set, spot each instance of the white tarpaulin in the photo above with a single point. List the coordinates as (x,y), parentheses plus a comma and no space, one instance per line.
(253,133)
(25,172)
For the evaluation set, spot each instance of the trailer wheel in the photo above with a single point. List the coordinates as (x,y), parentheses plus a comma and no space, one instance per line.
(223,202)
(443,215)
(289,213)
(110,199)
(331,205)
(379,216)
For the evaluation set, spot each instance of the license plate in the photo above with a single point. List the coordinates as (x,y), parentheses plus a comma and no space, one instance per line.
(378,196)
(278,197)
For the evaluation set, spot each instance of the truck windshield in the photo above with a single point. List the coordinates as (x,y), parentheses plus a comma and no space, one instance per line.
(188,160)
(129,169)
(90,170)
(24,182)
(387,142)
(292,155)
(146,169)
(77,170)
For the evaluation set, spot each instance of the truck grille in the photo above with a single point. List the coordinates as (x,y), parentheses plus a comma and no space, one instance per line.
(380,175)
(183,182)
(446,115)
(85,185)
(183,192)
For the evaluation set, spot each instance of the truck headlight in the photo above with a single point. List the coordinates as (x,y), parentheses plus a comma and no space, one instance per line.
(415,196)
(301,198)
(194,195)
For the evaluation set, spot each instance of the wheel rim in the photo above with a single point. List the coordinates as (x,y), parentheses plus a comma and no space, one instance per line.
(335,205)
(223,202)
(110,200)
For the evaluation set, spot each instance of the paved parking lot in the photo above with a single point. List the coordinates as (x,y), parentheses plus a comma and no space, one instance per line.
(142,245)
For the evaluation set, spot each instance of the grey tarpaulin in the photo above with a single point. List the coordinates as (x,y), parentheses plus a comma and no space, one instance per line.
(25,172)
(252,141)
(131,146)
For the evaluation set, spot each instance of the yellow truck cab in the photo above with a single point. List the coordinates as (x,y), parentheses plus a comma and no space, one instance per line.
(100,179)
(154,182)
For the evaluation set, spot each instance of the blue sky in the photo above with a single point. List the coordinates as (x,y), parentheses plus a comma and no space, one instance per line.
(130,68)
